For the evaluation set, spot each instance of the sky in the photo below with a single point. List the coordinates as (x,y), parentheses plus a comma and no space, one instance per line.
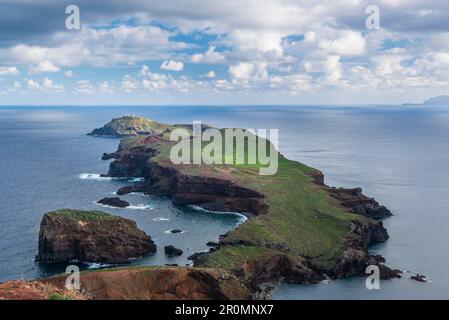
(217,52)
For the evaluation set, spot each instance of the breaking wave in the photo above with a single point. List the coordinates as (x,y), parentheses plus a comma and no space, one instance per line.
(140,207)
(94,176)
(98,177)
(161,219)
(242,217)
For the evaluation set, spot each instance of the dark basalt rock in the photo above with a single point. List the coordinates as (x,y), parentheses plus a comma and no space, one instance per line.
(130,189)
(419,278)
(90,236)
(176,231)
(172,251)
(108,156)
(386,273)
(197,258)
(372,211)
(114,202)
(354,200)
(212,244)
(132,163)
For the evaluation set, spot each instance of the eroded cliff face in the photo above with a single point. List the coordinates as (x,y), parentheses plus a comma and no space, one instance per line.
(69,235)
(208,192)
(134,283)
(158,283)
(132,163)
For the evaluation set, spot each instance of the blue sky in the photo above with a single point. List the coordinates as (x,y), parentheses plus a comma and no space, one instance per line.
(223,52)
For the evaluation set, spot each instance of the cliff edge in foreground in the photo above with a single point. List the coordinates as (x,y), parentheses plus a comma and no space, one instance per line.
(133,283)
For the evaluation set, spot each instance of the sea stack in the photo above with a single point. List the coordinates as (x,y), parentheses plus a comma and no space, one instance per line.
(90,236)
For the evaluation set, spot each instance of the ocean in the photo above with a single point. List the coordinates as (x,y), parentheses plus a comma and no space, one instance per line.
(398,155)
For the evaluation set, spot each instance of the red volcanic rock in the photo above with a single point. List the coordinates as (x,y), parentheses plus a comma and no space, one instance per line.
(158,283)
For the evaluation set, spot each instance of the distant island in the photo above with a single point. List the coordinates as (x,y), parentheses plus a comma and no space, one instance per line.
(434,101)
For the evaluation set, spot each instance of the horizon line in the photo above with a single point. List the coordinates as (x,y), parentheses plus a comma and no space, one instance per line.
(214,105)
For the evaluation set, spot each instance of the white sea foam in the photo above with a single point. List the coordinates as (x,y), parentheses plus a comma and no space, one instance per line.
(140,207)
(242,217)
(93,176)
(94,265)
(98,177)
(136,207)
(105,206)
(161,219)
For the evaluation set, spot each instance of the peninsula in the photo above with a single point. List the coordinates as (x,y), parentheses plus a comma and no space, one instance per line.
(298,229)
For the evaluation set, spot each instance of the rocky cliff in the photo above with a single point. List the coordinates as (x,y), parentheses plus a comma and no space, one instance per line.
(91,236)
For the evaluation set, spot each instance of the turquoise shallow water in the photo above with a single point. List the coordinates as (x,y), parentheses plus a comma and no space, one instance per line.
(399,155)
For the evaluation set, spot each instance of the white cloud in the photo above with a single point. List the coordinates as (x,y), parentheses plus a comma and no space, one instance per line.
(129,84)
(106,87)
(69,74)
(33,84)
(254,45)
(45,66)
(172,65)
(49,84)
(211,74)
(210,56)
(8,71)
(145,71)
(333,66)
(243,70)
(96,47)
(83,87)
(246,71)
(349,43)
